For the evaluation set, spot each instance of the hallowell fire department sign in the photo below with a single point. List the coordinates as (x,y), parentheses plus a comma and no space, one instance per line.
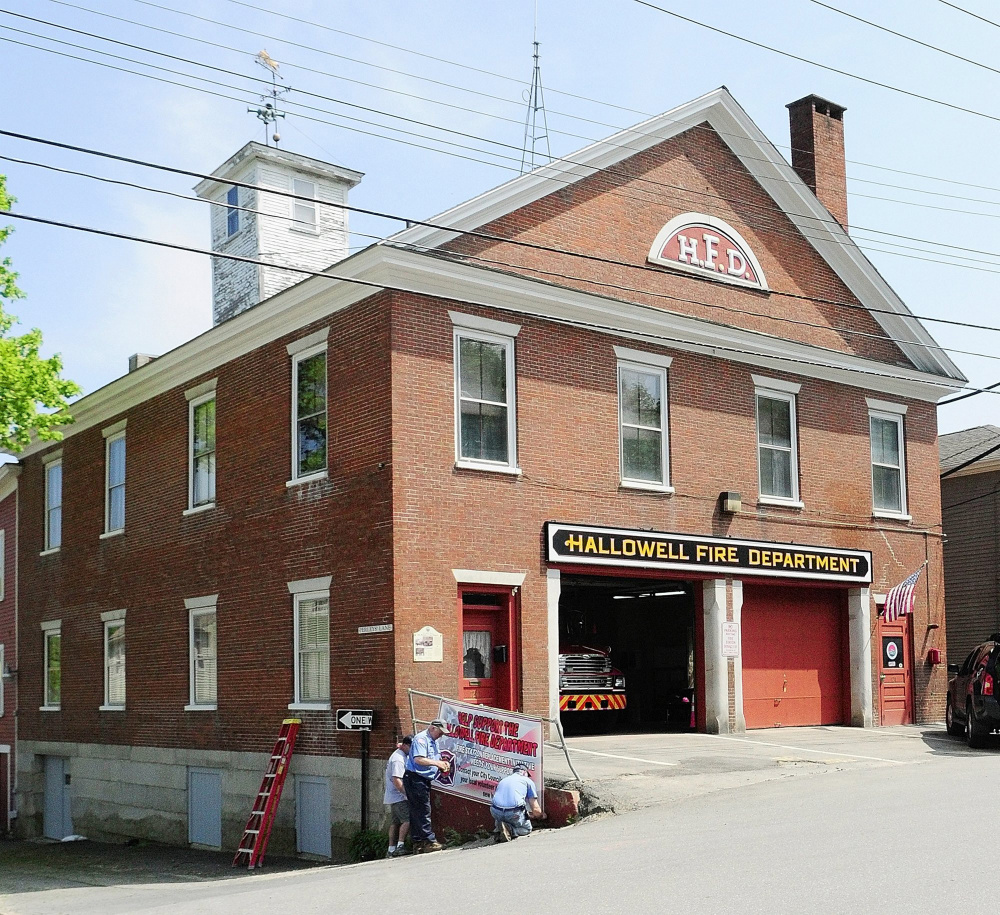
(707,246)
(605,546)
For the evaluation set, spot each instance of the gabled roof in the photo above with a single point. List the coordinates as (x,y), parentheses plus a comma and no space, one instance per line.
(957,448)
(762,159)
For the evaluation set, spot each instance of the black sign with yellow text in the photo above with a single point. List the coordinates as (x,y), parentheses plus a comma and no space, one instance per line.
(584,545)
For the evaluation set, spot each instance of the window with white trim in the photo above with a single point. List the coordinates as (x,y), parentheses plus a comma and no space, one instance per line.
(309,413)
(232,211)
(53,505)
(201,451)
(777,449)
(312,648)
(114,478)
(52,652)
(486,428)
(114,660)
(3,565)
(304,211)
(3,669)
(888,463)
(203,653)
(642,420)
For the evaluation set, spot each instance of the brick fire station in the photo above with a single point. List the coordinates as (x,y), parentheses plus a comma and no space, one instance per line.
(649,399)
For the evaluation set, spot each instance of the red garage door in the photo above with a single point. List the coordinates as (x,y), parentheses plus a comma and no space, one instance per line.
(794,656)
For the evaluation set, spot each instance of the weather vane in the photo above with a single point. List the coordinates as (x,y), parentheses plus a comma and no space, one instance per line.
(268,111)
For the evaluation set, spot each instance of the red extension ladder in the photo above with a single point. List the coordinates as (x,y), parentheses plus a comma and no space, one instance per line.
(253,845)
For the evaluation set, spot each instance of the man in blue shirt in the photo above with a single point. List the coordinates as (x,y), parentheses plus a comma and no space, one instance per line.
(515,805)
(423,763)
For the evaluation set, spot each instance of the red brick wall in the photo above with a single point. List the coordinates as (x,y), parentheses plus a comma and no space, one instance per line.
(615,215)
(568,451)
(8,630)
(260,536)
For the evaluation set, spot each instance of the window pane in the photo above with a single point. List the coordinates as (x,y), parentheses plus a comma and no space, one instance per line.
(204,638)
(116,509)
(483,369)
(204,479)
(776,473)
(204,427)
(641,398)
(53,489)
(232,215)
(314,650)
(886,489)
(312,444)
(642,455)
(484,432)
(116,664)
(53,669)
(477,660)
(55,528)
(885,441)
(312,385)
(302,210)
(774,419)
(116,462)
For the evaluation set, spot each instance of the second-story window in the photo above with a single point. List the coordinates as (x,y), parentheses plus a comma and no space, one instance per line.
(777,446)
(642,415)
(114,510)
(202,454)
(888,463)
(232,211)
(304,211)
(309,413)
(484,379)
(53,505)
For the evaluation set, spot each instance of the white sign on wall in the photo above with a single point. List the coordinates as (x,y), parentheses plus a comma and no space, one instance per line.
(730,640)
(428,645)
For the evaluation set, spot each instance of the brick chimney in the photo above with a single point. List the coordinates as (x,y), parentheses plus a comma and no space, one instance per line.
(817,129)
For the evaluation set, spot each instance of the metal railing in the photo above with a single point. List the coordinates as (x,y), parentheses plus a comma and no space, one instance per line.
(414,720)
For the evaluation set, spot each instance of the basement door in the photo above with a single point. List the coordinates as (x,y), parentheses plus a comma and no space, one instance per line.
(794,656)
(312,815)
(205,807)
(895,681)
(5,793)
(56,820)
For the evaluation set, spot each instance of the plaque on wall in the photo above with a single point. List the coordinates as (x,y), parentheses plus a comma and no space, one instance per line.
(428,645)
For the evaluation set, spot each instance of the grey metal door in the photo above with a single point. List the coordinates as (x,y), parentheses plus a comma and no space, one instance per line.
(56,820)
(312,815)
(205,807)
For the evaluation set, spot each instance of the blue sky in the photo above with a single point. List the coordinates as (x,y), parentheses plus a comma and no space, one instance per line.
(605,65)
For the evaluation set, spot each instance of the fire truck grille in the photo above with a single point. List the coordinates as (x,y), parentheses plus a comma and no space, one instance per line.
(584,684)
(586,664)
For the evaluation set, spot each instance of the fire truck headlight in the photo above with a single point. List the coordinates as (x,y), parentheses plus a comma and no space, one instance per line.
(619,683)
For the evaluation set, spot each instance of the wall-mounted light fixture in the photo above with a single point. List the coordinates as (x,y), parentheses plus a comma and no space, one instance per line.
(730,503)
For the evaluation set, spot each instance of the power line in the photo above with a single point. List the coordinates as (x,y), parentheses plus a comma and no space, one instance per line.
(686,191)
(588,325)
(944,403)
(463,108)
(472,233)
(970,13)
(909,38)
(814,63)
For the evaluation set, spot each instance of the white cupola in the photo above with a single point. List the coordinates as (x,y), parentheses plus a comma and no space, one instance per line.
(305,233)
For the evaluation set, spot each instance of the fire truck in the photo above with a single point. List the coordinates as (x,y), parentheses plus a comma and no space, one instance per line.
(588,682)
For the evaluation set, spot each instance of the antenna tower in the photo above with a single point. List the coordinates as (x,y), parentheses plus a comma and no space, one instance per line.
(269,112)
(535,114)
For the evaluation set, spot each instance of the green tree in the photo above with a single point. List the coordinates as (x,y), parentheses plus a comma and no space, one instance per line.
(33,395)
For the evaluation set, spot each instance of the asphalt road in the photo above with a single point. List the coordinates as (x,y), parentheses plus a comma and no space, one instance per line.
(912,829)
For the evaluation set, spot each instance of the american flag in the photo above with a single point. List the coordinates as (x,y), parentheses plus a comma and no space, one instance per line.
(900,599)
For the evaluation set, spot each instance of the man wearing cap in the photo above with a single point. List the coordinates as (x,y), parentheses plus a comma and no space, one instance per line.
(515,805)
(423,763)
(395,799)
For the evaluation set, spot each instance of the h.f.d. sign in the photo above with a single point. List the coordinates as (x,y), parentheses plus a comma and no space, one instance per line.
(707,246)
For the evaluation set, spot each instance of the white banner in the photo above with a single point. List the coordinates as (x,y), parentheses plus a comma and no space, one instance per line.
(483,747)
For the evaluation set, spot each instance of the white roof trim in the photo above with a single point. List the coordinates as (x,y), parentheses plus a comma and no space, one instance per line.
(760,157)
(8,479)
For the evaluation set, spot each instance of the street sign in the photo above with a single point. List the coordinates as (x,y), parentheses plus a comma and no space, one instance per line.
(353,719)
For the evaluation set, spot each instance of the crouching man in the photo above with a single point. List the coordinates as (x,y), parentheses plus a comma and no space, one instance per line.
(515,805)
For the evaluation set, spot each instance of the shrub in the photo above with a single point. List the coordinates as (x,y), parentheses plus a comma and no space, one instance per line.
(367,845)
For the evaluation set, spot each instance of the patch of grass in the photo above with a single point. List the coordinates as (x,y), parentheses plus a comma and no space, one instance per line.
(368,845)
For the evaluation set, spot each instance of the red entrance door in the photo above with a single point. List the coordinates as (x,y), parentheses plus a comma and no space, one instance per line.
(488,649)
(895,676)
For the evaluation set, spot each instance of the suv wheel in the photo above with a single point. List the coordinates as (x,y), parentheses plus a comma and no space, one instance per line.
(975,733)
(954,728)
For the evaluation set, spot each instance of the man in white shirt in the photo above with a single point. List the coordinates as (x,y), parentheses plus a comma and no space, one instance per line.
(395,799)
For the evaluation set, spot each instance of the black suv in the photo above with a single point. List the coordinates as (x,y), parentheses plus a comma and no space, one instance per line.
(972,707)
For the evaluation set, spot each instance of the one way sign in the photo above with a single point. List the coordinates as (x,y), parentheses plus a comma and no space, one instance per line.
(353,719)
